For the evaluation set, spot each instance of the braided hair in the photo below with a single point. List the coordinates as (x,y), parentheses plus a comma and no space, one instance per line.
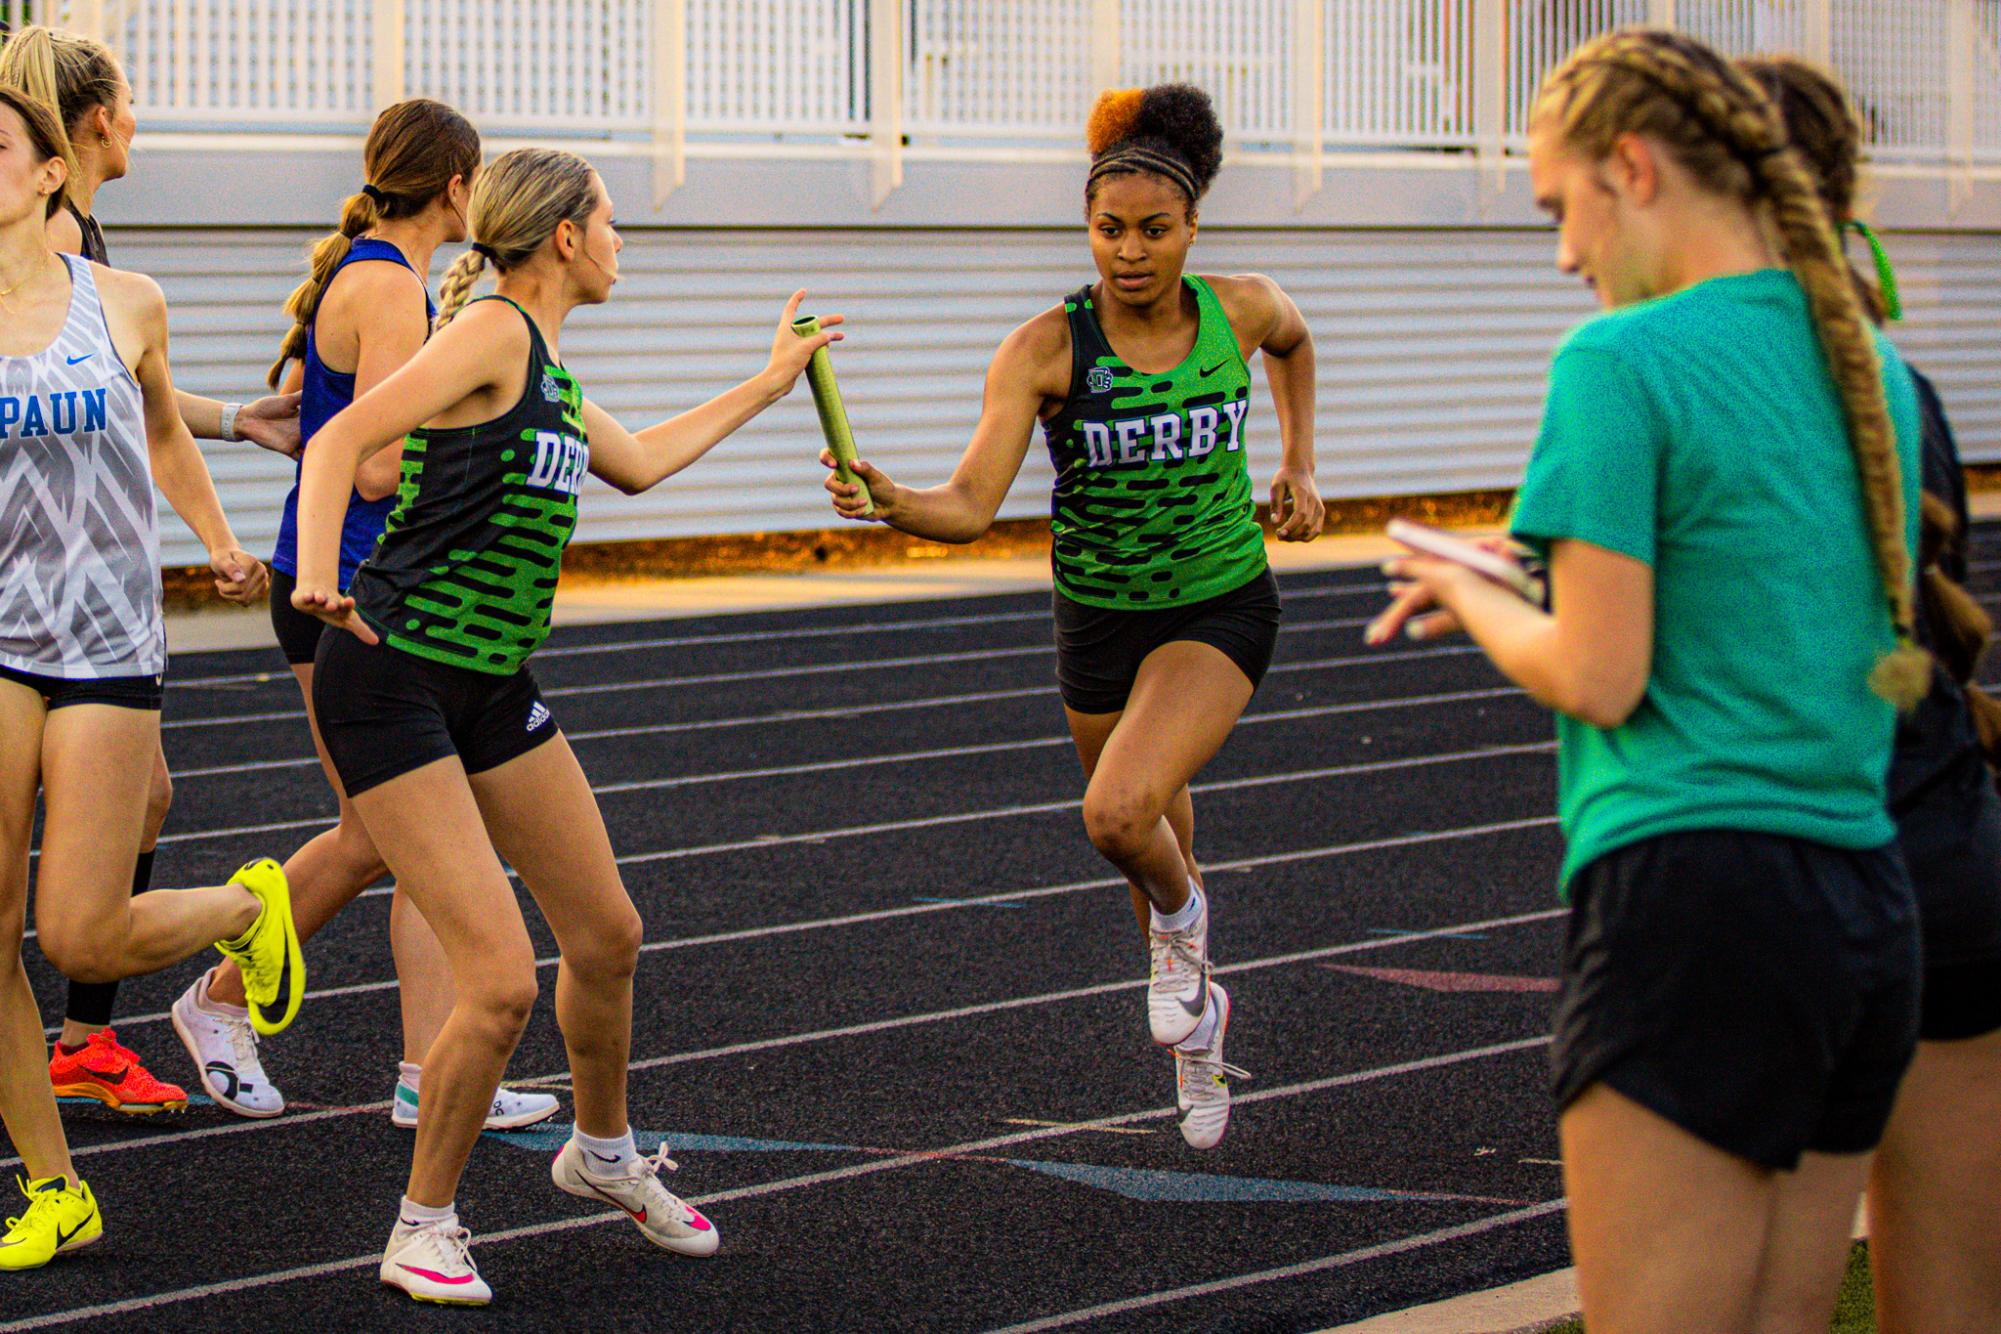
(1723,129)
(1825,129)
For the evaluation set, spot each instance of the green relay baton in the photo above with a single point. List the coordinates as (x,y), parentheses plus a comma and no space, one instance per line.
(833,415)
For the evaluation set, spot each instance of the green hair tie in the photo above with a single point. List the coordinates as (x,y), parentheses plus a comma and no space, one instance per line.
(1886,277)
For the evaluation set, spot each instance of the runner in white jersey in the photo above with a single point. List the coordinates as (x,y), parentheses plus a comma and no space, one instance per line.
(87,419)
(84,82)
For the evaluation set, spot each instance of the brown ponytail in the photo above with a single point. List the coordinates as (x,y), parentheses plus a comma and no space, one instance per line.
(1724,130)
(414,150)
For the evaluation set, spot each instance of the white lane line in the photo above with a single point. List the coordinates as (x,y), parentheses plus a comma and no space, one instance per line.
(766,636)
(847,711)
(1033,743)
(1047,998)
(849,1031)
(857,762)
(861,665)
(1049,807)
(894,1163)
(955,905)
(1382,1250)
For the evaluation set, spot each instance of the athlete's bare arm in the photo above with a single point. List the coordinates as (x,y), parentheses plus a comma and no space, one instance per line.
(136,313)
(372,320)
(1265,319)
(632,462)
(1590,659)
(472,371)
(1028,380)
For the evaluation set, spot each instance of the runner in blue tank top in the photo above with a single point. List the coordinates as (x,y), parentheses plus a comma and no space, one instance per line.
(324,392)
(358,318)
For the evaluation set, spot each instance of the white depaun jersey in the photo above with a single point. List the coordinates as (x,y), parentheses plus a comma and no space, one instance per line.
(79,540)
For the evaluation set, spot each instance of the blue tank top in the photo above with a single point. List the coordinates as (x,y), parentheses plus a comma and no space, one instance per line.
(324,393)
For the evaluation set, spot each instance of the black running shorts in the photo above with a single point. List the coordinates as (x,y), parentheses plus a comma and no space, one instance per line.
(1950,834)
(383,712)
(298,633)
(145,693)
(1760,992)
(1099,649)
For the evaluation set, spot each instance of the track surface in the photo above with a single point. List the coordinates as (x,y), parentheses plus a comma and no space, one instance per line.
(890,1015)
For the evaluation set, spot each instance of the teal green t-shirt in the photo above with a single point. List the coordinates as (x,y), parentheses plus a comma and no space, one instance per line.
(1702,433)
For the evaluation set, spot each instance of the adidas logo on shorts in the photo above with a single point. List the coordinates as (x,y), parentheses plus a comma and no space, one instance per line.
(537,715)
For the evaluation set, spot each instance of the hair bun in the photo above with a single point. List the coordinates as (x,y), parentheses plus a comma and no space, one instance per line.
(1113,116)
(1178,117)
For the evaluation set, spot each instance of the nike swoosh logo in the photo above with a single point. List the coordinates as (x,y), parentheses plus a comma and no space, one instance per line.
(62,1237)
(592,1152)
(638,1215)
(434,1276)
(1213,369)
(1200,1002)
(118,1078)
(85,357)
(284,979)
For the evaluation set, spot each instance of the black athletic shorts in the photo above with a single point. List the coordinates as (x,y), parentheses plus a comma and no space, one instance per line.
(125,692)
(1951,841)
(383,712)
(298,633)
(1759,991)
(1099,649)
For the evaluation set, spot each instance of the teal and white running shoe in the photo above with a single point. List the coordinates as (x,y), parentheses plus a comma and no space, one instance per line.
(510,1111)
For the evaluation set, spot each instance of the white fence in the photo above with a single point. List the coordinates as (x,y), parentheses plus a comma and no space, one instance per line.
(1304,79)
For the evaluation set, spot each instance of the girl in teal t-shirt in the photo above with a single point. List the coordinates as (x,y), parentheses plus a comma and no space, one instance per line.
(1724,487)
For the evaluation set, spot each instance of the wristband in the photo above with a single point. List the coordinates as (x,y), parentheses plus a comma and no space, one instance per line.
(229,411)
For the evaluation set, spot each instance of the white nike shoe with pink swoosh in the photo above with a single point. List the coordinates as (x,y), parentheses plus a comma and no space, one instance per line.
(433,1263)
(668,1221)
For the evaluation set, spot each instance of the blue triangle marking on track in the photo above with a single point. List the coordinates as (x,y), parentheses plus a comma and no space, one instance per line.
(1155,1186)
(550,1137)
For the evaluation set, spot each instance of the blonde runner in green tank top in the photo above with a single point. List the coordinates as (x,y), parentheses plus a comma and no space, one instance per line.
(1153,505)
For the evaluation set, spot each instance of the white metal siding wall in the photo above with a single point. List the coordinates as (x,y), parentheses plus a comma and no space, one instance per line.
(1432,347)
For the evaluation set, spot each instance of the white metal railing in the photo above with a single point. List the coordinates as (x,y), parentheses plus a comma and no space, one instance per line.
(1307,79)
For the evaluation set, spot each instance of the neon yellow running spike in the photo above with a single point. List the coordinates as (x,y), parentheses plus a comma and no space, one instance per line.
(274,971)
(60,1218)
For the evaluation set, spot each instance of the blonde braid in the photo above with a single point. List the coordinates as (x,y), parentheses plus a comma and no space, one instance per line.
(357,215)
(1727,133)
(457,287)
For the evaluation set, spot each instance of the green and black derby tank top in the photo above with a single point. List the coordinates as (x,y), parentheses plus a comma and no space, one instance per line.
(1152,505)
(465,571)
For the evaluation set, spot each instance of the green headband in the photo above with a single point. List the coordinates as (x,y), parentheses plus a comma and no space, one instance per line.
(1886,277)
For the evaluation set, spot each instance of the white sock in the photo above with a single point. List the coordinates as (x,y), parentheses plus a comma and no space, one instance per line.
(408,1072)
(210,1005)
(607,1157)
(1182,919)
(419,1215)
(1205,1030)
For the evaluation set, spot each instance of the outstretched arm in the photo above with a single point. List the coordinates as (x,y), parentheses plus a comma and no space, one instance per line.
(634,461)
(1018,383)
